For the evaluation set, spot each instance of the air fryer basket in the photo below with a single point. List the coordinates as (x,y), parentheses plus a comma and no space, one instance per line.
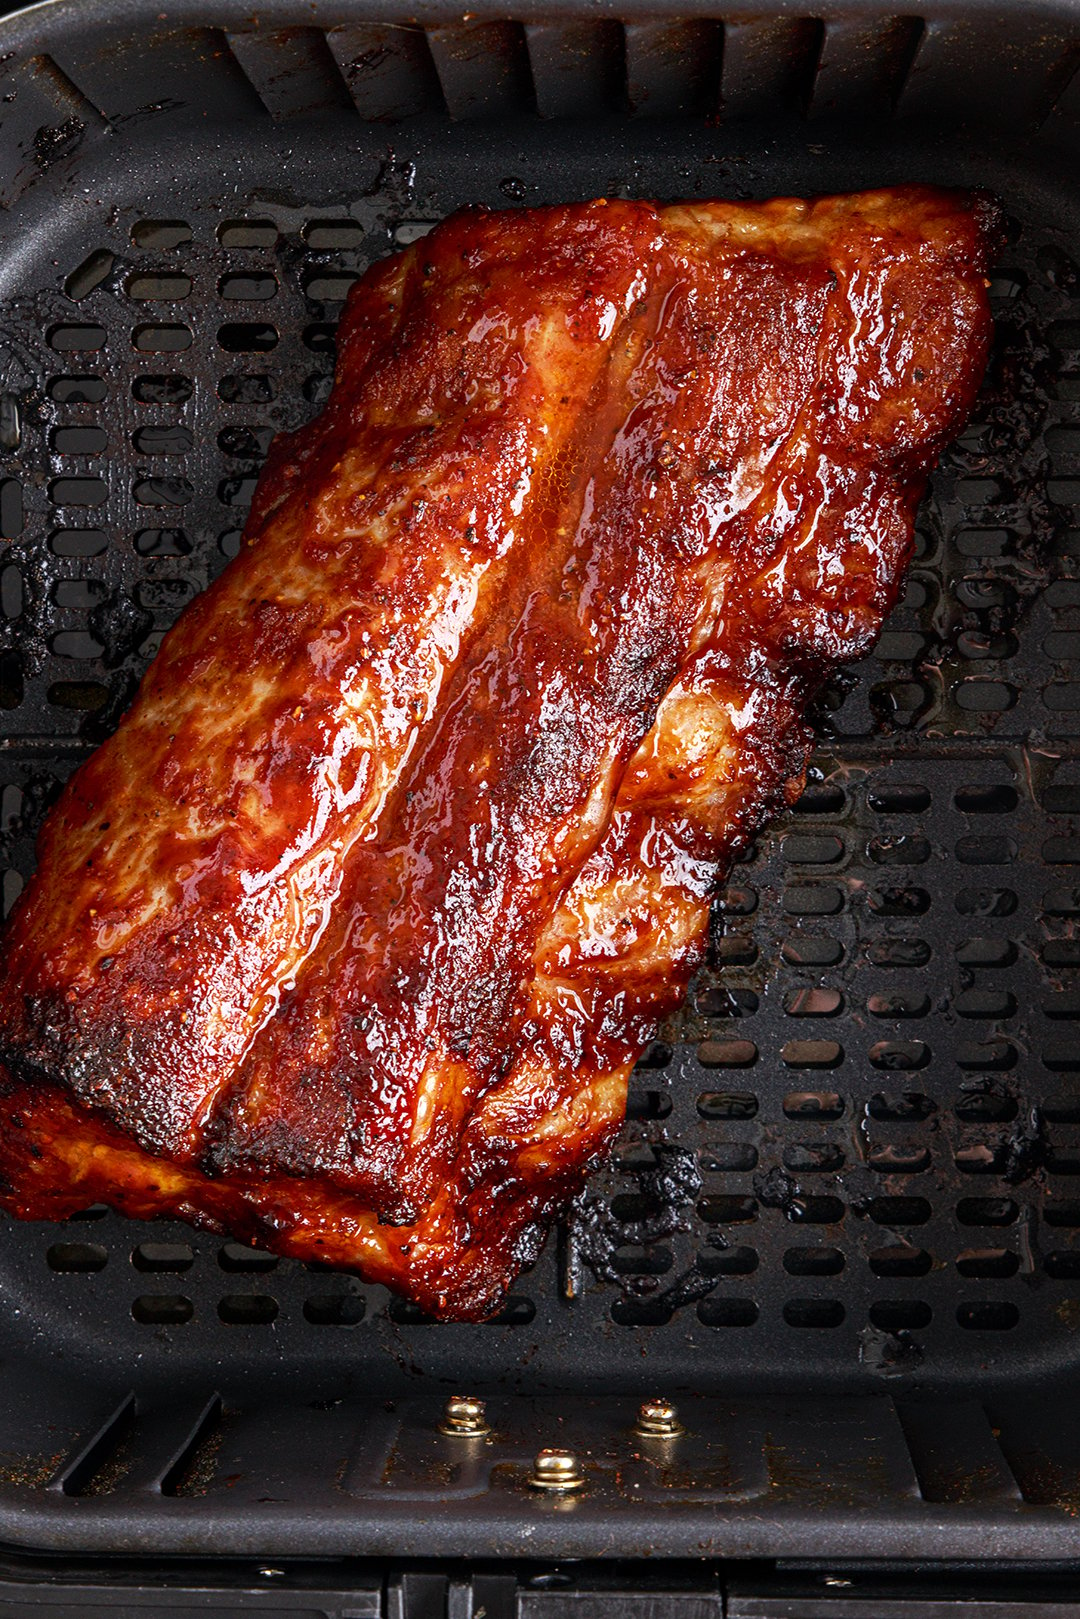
(841,1230)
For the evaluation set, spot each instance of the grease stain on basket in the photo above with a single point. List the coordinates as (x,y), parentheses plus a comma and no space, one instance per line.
(30,1471)
(202,1465)
(1068,1313)
(54,141)
(109,1477)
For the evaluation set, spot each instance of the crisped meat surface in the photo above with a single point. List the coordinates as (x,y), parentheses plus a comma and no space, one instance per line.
(347,940)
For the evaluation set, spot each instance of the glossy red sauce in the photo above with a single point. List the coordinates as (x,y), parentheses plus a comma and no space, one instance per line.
(360,920)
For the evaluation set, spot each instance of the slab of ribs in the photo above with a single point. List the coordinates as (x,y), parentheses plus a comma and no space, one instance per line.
(347,940)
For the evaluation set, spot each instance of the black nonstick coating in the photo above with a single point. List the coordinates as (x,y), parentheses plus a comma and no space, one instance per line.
(850,1169)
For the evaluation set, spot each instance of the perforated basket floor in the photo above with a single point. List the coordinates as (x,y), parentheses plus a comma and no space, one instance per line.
(849,1178)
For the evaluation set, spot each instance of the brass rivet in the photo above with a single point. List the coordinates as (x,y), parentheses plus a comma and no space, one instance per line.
(462,1414)
(557,1470)
(658,1419)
